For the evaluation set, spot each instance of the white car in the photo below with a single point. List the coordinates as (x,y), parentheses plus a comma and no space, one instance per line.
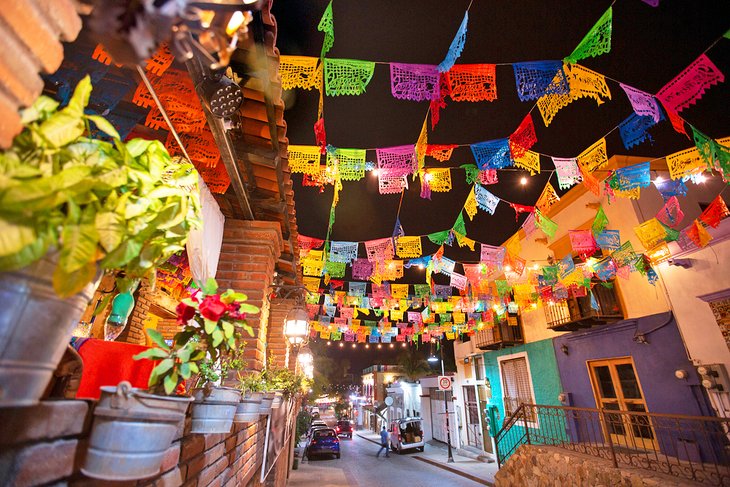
(406,433)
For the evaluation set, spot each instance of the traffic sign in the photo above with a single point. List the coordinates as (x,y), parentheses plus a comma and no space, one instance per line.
(444,383)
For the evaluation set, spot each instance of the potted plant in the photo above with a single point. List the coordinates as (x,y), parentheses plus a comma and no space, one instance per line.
(286,383)
(72,206)
(252,388)
(216,320)
(258,382)
(133,429)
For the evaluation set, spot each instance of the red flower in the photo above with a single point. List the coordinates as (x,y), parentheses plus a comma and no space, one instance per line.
(184,313)
(212,307)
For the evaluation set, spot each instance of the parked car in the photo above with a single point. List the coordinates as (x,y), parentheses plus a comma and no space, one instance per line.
(344,428)
(316,425)
(406,433)
(323,441)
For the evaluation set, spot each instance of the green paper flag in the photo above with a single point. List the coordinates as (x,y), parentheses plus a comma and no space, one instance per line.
(472,173)
(347,76)
(327,25)
(705,146)
(597,41)
(459,225)
(545,224)
(600,222)
(503,287)
(727,34)
(672,234)
(438,237)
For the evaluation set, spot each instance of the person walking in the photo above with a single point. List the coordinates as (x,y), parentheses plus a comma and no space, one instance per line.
(384,443)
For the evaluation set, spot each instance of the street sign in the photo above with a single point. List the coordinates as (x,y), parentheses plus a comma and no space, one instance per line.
(444,383)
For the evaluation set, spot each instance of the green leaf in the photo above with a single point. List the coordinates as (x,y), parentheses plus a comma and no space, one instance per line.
(62,128)
(228,329)
(249,308)
(210,325)
(210,286)
(137,147)
(232,342)
(122,255)
(41,108)
(194,367)
(185,371)
(170,384)
(79,244)
(103,125)
(184,354)
(102,306)
(26,256)
(43,193)
(111,229)
(217,337)
(80,98)
(247,329)
(152,353)
(66,284)
(14,237)
(157,337)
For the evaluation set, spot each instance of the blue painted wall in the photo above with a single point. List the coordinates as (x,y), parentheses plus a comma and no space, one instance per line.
(546,387)
(655,363)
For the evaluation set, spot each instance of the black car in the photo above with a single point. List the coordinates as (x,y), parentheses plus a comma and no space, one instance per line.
(344,428)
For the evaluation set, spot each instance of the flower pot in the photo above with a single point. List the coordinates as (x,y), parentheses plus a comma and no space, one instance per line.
(214,408)
(278,400)
(248,409)
(266,402)
(131,432)
(35,328)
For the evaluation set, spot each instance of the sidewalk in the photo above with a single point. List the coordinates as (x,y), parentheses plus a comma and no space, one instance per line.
(436,454)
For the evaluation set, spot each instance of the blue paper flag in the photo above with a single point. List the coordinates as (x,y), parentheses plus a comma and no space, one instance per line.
(535,79)
(457,45)
(492,154)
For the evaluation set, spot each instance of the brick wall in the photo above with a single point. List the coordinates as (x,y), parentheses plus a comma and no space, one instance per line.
(278,346)
(248,257)
(47,443)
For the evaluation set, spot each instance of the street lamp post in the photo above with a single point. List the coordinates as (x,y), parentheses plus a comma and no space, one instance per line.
(446,406)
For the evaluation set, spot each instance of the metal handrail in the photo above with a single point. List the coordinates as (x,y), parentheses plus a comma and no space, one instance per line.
(688,447)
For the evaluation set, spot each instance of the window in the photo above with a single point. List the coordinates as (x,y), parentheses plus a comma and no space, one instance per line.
(479,368)
(516,383)
(721,310)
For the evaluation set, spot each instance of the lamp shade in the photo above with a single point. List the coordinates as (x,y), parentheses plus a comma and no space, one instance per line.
(296,325)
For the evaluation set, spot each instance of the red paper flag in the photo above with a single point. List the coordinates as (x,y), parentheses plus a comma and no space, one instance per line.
(715,212)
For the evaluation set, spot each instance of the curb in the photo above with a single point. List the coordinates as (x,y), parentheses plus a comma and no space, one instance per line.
(442,466)
(454,471)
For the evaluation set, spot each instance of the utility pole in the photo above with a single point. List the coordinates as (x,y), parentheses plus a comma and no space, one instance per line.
(446,407)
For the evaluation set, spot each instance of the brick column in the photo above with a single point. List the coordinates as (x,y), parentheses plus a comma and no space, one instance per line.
(248,257)
(278,346)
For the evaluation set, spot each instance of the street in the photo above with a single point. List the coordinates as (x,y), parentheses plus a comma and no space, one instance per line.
(359,466)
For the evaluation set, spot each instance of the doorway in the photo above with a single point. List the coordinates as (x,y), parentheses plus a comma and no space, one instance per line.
(473,426)
(616,387)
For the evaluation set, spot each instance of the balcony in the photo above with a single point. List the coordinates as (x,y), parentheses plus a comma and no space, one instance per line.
(575,313)
(506,333)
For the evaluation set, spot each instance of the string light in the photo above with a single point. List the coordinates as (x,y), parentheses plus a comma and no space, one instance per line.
(523,180)
(342,344)
(329,343)
(392,345)
(367,345)
(403,344)
(375,172)
(658,180)
(380,346)
(701,178)
(354,346)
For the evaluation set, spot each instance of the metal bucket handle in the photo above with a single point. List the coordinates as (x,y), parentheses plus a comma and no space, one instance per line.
(122,395)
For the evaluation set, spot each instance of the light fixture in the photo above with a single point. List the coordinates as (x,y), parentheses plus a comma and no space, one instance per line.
(658,180)
(329,343)
(342,344)
(380,345)
(367,345)
(433,359)
(392,345)
(403,344)
(353,345)
(221,95)
(523,180)
(296,325)
(701,178)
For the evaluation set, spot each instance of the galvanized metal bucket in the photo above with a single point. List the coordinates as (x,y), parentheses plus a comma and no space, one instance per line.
(266,402)
(214,408)
(131,432)
(248,409)
(35,328)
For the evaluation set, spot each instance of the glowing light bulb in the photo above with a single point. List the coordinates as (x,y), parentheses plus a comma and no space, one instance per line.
(403,344)
(342,345)
(420,266)
(428,176)
(701,178)
(659,180)
(380,346)
(353,345)
(375,172)
(508,268)
(392,345)
(536,266)
(329,343)
(523,180)
(367,345)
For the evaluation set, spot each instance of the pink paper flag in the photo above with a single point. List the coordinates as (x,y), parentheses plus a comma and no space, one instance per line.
(689,86)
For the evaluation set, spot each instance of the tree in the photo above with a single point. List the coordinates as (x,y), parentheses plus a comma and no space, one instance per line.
(413,366)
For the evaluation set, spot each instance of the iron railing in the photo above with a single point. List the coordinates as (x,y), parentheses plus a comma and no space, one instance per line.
(688,447)
(500,335)
(580,312)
